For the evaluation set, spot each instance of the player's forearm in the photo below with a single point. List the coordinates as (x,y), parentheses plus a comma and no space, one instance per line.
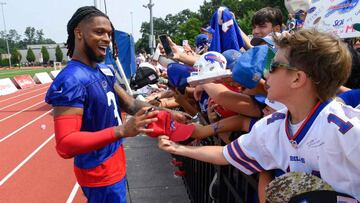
(83,142)
(210,154)
(70,141)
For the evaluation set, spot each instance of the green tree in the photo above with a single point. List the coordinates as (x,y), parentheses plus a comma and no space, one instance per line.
(30,56)
(39,36)
(58,54)
(15,56)
(30,35)
(170,26)
(189,31)
(45,54)
(245,22)
(186,24)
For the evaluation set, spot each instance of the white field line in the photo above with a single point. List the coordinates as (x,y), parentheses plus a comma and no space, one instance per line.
(21,101)
(73,193)
(21,111)
(24,126)
(25,160)
(24,93)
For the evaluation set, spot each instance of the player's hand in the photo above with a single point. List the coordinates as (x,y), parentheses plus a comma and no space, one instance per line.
(167,145)
(138,123)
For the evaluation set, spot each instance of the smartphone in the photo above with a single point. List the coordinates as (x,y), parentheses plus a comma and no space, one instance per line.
(165,43)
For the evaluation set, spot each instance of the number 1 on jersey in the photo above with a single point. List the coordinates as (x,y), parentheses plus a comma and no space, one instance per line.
(343,126)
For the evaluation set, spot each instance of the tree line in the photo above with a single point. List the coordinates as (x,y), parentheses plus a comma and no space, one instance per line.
(186,24)
(32,36)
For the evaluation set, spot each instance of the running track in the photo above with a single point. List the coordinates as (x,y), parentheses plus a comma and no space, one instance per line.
(30,169)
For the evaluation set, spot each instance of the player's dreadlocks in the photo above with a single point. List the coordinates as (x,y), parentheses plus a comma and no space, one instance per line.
(82,13)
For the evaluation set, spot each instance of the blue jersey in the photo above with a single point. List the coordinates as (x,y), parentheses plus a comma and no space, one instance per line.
(351,98)
(227,34)
(92,89)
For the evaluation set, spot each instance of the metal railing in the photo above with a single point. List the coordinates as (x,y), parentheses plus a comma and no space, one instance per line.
(228,185)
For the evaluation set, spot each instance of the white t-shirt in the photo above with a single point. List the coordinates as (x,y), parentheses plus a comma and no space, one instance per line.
(327,142)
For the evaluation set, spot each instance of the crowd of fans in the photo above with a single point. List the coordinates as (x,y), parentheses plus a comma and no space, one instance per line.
(228,107)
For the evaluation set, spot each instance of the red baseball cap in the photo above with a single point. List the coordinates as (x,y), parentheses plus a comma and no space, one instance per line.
(166,125)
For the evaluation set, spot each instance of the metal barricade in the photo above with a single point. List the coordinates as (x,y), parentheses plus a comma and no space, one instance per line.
(229,184)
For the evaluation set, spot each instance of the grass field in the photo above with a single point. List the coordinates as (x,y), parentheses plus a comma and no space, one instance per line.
(23,71)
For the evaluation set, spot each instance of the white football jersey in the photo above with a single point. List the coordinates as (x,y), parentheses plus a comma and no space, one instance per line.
(326,144)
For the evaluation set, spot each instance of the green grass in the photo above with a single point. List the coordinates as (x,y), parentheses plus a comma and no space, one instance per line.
(28,71)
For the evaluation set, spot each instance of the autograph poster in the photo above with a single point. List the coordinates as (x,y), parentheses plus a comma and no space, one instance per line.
(336,16)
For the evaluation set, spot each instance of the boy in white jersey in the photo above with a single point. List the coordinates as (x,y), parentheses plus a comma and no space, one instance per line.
(314,134)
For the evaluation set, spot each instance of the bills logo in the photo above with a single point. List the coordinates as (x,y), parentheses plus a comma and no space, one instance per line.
(342,7)
(214,59)
(104,84)
(172,125)
(311,10)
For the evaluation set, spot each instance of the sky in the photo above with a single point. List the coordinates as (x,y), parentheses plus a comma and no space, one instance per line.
(52,15)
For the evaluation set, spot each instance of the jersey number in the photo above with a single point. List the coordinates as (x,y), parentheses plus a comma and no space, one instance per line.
(111,101)
(343,126)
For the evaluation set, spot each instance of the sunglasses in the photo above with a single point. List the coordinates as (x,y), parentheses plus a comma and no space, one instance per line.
(276,64)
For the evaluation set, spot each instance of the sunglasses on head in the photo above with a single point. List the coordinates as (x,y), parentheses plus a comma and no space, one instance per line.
(276,64)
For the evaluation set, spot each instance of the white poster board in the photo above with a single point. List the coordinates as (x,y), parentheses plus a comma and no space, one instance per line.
(7,87)
(334,16)
(54,73)
(42,78)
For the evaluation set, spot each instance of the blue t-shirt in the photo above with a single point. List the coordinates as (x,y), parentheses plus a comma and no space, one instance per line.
(92,89)
(351,97)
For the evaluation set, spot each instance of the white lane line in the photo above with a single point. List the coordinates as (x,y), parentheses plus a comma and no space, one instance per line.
(21,111)
(29,123)
(73,193)
(37,89)
(25,160)
(21,101)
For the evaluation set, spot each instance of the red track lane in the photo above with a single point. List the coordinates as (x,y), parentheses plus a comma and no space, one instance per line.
(23,92)
(45,178)
(22,99)
(21,119)
(17,147)
(35,102)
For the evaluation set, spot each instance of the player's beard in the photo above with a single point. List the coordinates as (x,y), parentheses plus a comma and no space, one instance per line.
(91,54)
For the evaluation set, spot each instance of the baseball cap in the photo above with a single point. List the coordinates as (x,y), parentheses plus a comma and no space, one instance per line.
(268,39)
(294,6)
(208,29)
(249,67)
(166,125)
(274,104)
(284,187)
(201,39)
(178,74)
(323,196)
(231,56)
